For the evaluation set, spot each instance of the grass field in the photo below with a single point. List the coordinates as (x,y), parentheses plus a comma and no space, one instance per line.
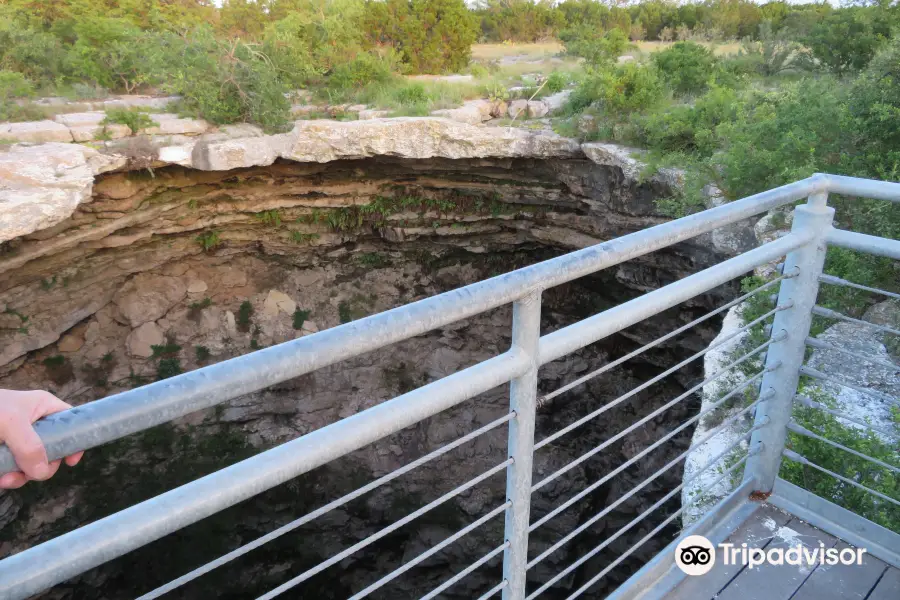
(720,48)
(483,52)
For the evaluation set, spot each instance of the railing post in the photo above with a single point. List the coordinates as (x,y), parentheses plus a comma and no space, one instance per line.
(526,333)
(785,357)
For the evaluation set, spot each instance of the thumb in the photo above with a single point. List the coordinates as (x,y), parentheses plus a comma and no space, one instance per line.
(27,448)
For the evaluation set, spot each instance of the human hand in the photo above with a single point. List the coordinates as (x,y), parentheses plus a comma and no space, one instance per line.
(18,410)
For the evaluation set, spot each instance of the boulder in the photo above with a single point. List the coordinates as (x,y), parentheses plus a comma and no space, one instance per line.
(148,297)
(518,109)
(473,112)
(168,124)
(537,109)
(278,301)
(499,109)
(140,341)
(558,100)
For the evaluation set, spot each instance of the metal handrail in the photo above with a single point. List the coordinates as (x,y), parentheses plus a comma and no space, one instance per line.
(105,420)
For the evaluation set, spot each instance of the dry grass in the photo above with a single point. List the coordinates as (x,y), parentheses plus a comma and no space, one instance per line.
(720,48)
(484,52)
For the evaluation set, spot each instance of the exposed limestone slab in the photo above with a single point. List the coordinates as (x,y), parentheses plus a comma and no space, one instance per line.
(614,155)
(410,137)
(168,124)
(42,185)
(89,133)
(93,117)
(36,131)
(237,153)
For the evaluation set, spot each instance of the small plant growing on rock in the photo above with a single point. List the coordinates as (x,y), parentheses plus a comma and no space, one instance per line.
(134,119)
(202,353)
(345,313)
(270,217)
(59,369)
(195,309)
(299,237)
(243,317)
(167,350)
(168,367)
(300,317)
(208,240)
(373,260)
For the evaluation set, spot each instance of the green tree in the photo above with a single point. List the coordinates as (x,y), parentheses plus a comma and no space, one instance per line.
(846,40)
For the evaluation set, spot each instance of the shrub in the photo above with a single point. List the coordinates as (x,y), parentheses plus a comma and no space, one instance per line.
(360,72)
(134,118)
(687,67)
(619,89)
(14,85)
(689,129)
(202,353)
(229,82)
(770,54)
(846,40)
(115,53)
(556,82)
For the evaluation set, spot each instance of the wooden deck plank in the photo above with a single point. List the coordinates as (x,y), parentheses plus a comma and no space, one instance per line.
(844,582)
(756,532)
(888,588)
(777,582)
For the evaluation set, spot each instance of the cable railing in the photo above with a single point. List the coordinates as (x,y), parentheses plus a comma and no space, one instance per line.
(762,384)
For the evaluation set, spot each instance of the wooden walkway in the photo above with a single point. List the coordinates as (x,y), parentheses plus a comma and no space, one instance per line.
(771,528)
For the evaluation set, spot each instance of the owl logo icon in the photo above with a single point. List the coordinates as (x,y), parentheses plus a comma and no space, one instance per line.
(695,555)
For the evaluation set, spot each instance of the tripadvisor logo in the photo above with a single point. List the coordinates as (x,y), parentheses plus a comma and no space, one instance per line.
(696,555)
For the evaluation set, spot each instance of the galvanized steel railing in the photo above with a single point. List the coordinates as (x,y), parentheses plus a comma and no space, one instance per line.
(772,388)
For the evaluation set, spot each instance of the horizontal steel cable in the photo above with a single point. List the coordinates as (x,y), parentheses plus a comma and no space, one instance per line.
(799,429)
(547,397)
(581,528)
(650,535)
(288,527)
(832,280)
(791,455)
(810,372)
(431,551)
(637,520)
(810,403)
(644,453)
(663,375)
(462,574)
(831,314)
(383,532)
(820,345)
(494,590)
(606,443)
(569,466)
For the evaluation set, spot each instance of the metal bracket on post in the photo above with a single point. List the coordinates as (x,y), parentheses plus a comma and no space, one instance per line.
(785,357)
(526,334)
